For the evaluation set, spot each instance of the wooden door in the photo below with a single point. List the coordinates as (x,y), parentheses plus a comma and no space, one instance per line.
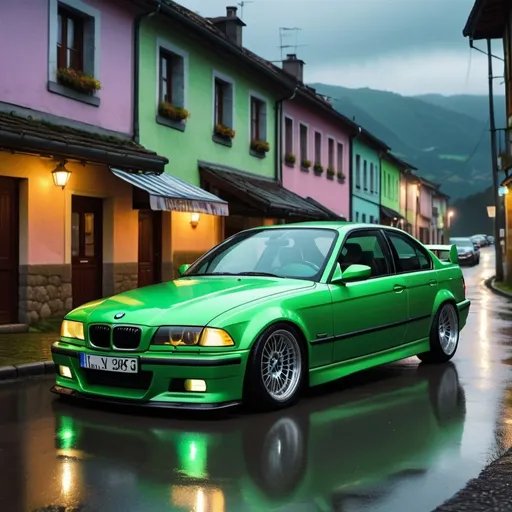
(9,247)
(150,247)
(87,249)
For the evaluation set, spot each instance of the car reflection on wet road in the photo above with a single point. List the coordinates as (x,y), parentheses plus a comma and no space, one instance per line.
(400,437)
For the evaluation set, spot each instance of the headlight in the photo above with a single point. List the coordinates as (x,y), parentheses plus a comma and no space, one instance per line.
(71,329)
(190,336)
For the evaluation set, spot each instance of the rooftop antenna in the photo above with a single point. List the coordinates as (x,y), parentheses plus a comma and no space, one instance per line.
(242,4)
(283,32)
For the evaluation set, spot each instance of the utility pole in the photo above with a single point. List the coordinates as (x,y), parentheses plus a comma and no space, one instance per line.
(495,184)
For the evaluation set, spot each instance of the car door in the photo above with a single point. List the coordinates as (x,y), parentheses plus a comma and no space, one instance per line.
(369,314)
(414,264)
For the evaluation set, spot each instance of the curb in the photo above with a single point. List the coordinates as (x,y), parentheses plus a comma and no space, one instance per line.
(23,371)
(489,283)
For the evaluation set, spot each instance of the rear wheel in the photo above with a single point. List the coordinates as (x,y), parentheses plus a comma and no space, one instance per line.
(275,370)
(444,335)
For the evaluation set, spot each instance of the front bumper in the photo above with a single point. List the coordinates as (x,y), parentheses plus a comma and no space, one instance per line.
(159,382)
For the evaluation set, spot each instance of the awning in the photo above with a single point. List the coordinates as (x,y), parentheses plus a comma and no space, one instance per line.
(61,141)
(329,212)
(267,196)
(389,213)
(170,193)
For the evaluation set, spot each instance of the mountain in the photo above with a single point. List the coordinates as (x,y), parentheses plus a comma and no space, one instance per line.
(470,214)
(445,137)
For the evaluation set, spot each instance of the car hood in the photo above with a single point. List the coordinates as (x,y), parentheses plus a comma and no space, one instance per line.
(185,301)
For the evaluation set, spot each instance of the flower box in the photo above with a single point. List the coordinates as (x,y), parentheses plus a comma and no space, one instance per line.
(78,81)
(341,177)
(224,131)
(318,169)
(305,165)
(259,148)
(330,173)
(172,112)
(289,159)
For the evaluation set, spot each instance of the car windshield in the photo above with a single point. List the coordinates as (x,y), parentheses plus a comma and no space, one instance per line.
(281,252)
(462,244)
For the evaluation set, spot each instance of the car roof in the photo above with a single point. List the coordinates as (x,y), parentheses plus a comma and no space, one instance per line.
(439,247)
(334,224)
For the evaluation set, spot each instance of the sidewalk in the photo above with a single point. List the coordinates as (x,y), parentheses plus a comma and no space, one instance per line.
(30,347)
(491,491)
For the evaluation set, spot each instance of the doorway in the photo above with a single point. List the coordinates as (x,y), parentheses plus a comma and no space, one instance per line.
(9,248)
(150,247)
(86,249)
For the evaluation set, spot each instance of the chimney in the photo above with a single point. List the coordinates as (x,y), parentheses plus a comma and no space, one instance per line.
(294,66)
(231,25)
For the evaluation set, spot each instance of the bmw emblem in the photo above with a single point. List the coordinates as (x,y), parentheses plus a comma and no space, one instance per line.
(117,316)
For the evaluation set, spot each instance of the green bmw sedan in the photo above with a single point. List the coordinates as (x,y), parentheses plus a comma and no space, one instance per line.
(263,315)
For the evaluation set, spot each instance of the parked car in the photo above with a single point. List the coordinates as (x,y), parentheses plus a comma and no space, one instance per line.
(491,239)
(262,315)
(481,240)
(468,253)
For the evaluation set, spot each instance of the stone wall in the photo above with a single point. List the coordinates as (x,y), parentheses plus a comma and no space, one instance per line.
(45,292)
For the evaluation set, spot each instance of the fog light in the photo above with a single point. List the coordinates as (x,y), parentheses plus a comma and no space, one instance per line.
(65,371)
(195,385)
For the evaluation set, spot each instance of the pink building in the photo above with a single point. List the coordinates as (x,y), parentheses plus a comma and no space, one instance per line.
(316,146)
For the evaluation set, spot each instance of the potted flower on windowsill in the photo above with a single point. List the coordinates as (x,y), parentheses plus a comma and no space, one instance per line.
(259,147)
(341,177)
(289,159)
(78,80)
(330,173)
(223,131)
(305,165)
(318,169)
(170,111)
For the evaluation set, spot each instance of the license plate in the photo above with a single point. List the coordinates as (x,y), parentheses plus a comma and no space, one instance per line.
(109,364)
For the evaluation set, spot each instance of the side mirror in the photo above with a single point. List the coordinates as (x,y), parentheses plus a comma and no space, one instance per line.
(183,268)
(454,255)
(352,273)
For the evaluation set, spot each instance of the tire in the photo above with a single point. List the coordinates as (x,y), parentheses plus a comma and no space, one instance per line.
(276,345)
(444,335)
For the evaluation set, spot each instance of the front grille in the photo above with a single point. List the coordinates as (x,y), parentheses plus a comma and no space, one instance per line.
(126,337)
(141,380)
(99,336)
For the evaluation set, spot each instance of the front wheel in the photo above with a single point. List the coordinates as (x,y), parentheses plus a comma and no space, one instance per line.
(275,370)
(444,335)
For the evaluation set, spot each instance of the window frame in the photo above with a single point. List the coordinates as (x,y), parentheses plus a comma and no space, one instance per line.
(318,140)
(90,52)
(290,149)
(416,246)
(65,13)
(365,175)
(262,102)
(231,85)
(331,155)
(358,171)
(301,145)
(339,161)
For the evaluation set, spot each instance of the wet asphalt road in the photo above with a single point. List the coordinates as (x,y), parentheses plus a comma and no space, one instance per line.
(397,438)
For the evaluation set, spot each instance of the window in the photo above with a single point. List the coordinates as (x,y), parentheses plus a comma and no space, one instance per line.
(258,119)
(223,102)
(371,178)
(366,248)
(411,257)
(371,219)
(303,143)
(363,218)
(390,192)
(70,40)
(288,135)
(172,78)
(339,157)
(318,148)
(330,155)
(365,175)
(357,216)
(384,189)
(358,171)
(298,253)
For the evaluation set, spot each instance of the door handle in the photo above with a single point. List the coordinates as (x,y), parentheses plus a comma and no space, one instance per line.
(432,282)
(398,288)
(84,261)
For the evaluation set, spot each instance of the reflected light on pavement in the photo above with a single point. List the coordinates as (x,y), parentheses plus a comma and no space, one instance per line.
(483,338)
(67,477)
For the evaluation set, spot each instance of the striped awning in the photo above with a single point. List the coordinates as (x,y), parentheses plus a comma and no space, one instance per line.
(169,193)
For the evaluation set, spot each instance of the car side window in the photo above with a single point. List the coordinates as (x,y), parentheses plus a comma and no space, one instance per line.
(366,248)
(411,257)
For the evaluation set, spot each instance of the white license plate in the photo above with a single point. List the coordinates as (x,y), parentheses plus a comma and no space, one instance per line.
(110,364)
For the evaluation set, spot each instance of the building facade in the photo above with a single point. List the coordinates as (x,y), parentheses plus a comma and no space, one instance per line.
(209,106)
(69,229)
(440,218)
(367,152)
(316,147)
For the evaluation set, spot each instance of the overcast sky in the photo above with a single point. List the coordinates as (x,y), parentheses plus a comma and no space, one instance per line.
(406,46)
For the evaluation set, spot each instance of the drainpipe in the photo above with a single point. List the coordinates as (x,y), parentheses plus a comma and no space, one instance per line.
(136,68)
(380,184)
(278,130)
(351,173)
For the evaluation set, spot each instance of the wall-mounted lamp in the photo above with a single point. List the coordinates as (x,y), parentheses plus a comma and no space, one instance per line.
(503,191)
(194,220)
(61,175)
